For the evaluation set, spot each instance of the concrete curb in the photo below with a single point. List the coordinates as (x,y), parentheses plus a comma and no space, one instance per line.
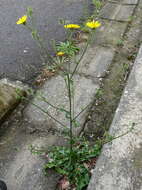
(8,96)
(119,166)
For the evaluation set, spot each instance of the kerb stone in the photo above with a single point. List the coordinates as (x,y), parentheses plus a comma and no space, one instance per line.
(8,96)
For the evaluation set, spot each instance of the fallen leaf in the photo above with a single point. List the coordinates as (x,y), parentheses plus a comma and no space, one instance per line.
(64,184)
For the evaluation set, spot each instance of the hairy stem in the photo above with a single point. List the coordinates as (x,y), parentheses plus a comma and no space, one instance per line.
(82,55)
(53,106)
(70,110)
(81,112)
(46,112)
(39,41)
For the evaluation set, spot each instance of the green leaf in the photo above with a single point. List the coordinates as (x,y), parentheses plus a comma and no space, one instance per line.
(76,123)
(61,171)
(50,165)
(68,48)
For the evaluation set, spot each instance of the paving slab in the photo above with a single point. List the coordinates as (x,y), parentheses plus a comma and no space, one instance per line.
(8,96)
(96,61)
(118,12)
(54,90)
(120,165)
(110,32)
(19,168)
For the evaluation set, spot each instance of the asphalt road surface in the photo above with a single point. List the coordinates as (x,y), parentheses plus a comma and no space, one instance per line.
(19,55)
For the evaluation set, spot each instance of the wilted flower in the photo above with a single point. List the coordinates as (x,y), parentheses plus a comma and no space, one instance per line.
(93,24)
(72,26)
(22,20)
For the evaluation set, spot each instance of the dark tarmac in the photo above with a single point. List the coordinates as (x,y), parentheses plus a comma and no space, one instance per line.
(19,55)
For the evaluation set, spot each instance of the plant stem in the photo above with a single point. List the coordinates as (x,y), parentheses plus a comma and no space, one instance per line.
(84,51)
(107,141)
(81,112)
(53,106)
(44,111)
(70,110)
(39,41)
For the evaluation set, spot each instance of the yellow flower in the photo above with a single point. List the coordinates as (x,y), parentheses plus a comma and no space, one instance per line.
(72,26)
(22,20)
(93,24)
(60,53)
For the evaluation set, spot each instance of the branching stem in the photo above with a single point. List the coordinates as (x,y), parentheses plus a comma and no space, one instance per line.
(82,55)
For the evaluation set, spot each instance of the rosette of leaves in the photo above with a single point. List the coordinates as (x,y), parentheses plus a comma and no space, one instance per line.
(77,173)
(69,48)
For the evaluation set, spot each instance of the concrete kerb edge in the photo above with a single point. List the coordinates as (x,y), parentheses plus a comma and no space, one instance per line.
(14,84)
(8,96)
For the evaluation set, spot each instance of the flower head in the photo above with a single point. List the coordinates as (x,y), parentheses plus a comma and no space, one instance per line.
(60,53)
(22,20)
(93,24)
(72,26)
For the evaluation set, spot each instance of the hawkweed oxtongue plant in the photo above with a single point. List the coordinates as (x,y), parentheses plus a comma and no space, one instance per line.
(66,161)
